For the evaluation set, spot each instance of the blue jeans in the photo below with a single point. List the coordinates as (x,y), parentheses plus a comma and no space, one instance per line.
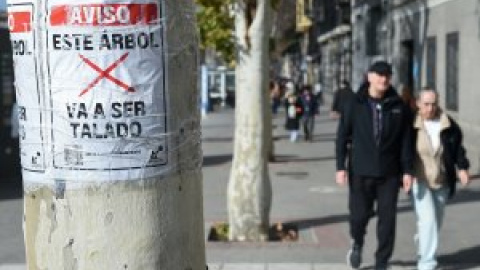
(293,135)
(429,208)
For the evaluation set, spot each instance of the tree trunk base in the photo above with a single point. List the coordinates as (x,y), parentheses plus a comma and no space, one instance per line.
(279,232)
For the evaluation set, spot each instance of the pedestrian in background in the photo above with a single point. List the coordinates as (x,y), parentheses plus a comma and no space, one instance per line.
(439,153)
(293,111)
(309,110)
(378,124)
(318,93)
(275,96)
(340,98)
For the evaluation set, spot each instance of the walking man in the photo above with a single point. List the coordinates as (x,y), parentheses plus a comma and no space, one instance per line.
(378,126)
(439,153)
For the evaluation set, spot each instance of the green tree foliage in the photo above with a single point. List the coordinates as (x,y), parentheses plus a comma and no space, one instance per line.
(216,25)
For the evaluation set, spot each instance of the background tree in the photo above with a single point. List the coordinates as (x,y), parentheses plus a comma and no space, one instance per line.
(216,24)
(249,191)
(249,188)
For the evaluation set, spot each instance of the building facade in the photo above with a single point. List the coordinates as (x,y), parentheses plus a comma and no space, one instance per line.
(336,48)
(303,61)
(428,42)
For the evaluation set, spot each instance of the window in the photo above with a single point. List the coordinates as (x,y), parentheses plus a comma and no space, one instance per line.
(431,62)
(344,12)
(319,11)
(452,72)
(374,18)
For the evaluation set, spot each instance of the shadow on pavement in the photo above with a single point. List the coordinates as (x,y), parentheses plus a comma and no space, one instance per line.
(304,224)
(291,158)
(217,140)
(465,196)
(11,188)
(461,260)
(221,159)
(324,120)
(394,263)
(216,160)
(462,196)
(316,138)
(293,175)
(213,126)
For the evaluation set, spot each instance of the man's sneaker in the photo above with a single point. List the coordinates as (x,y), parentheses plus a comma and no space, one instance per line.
(354,256)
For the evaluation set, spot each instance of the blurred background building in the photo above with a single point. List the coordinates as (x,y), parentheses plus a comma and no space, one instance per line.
(310,55)
(8,151)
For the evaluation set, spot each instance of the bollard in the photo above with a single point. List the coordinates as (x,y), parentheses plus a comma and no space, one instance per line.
(110,133)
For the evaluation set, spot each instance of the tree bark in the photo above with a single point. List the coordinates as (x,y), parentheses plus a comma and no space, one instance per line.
(249,188)
(145,217)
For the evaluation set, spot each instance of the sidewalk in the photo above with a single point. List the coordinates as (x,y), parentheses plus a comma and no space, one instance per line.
(265,266)
(290,266)
(305,193)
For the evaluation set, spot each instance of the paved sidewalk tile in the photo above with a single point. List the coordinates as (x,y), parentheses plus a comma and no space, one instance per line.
(13,267)
(289,266)
(326,266)
(329,266)
(243,266)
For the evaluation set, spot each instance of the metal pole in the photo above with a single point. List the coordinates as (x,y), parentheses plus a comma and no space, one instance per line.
(204,96)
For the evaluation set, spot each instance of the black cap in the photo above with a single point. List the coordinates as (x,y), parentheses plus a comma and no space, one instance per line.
(381,68)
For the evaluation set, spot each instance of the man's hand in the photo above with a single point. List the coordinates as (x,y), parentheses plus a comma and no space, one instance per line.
(341,177)
(407,182)
(464,177)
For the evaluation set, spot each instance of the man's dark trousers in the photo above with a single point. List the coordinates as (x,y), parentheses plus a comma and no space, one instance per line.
(308,125)
(364,191)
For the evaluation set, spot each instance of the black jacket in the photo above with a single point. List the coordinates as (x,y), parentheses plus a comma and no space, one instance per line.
(454,154)
(293,122)
(341,98)
(393,155)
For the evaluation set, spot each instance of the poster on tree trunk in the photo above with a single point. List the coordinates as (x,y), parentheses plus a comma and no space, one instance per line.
(101,106)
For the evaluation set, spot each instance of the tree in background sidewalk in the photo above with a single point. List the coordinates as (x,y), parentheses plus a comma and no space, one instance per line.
(249,188)
(215,25)
(249,191)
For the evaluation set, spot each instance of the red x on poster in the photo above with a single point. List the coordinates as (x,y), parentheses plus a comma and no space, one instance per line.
(105,73)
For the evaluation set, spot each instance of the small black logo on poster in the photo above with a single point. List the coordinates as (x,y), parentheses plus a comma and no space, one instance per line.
(155,154)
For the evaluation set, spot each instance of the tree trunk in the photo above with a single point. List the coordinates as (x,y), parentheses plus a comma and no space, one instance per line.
(249,188)
(112,163)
